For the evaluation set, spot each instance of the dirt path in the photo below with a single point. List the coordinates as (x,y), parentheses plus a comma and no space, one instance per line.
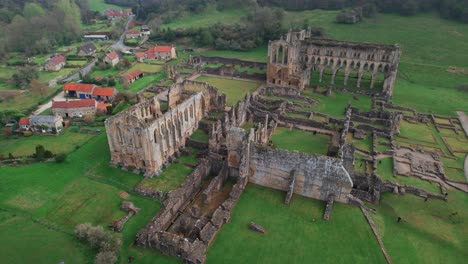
(466,167)
(464,122)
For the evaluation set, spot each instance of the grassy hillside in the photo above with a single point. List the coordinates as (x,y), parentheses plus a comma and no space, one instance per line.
(100,5)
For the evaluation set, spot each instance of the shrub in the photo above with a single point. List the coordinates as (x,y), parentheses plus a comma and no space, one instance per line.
(40,152)
(105,257)
(27,133)
(61,157)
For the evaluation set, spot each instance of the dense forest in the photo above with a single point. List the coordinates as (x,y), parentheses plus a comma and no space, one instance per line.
(38,26)
(450,9)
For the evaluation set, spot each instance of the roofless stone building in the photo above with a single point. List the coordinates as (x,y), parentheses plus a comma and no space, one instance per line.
(142,138)
(294,60)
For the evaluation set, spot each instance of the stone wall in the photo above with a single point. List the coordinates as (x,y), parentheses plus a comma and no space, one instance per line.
(316,176)
(141,138)
(292,60)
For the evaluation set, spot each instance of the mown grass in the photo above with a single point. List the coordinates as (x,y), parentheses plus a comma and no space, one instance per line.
(146,80)
(18,235)
(200,136)
(234,89)
(385,171)
(429,232)
(207,18)
(146,68)
(100,5)
(335,105)
(296,233)
(83,189)
(258,54)
(173,176)
(62,143)
(299,140)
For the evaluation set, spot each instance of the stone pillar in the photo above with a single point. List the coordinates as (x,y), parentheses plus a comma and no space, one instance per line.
(321,68)
(360,73)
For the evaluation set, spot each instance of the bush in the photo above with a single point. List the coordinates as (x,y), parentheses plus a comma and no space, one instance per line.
(60,158)
(98,238)
(27,133)
(105,257)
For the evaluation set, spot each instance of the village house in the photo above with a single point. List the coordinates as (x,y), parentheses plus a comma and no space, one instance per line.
(86,49)
(132,34)
(89,91)
(145,30)
(77,108)
(112,13)
(157,53)
(104,94)
(79,90)
(24,123)
(46,123)
(132,76)
(112,58)
(55,63)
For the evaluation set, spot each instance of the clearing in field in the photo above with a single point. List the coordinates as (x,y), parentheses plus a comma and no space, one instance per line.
(300,140)
(235,89)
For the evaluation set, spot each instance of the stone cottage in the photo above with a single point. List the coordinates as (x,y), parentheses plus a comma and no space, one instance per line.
(46,123)
(55,63)
(77,108)
(86,49)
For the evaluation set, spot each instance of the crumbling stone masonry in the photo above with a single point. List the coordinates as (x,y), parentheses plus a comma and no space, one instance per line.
(143,138)
(292,60)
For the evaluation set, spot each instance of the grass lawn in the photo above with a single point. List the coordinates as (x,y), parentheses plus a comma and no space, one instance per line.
(100,5)
(25,146)
(296,233)
(83,189)
(258,54)
(26,99)
(200,136)
(206,18)
(299,140)
(385,171)
(172,176)
(46,76)
(430,232)
(18,234)
(336,104)
(7,72)
(235,90)
(419,132)
(423,82)
(143,82)
(146,68)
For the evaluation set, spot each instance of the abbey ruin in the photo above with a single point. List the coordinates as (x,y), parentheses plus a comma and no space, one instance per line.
(146,138)
(294,59)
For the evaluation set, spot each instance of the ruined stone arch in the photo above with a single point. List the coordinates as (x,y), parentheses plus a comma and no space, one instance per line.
(155,135)
(186,114)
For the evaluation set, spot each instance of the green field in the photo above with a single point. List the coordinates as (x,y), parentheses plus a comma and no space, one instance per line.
(146,68)
(200,136)
(430,232)
(234,89)
(100,5)
(83,189)
(62,143)
(302,141)
(296,233)
(335,105)
(208,17)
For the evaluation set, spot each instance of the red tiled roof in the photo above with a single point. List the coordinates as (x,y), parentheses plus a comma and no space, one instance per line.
(101,106)
(56,60)
(79,87)
(112,55)
(132,32)
(163,49)
(151,56)
(23,121)
(74,103)
(133,74)
(140,54)
(103,91)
